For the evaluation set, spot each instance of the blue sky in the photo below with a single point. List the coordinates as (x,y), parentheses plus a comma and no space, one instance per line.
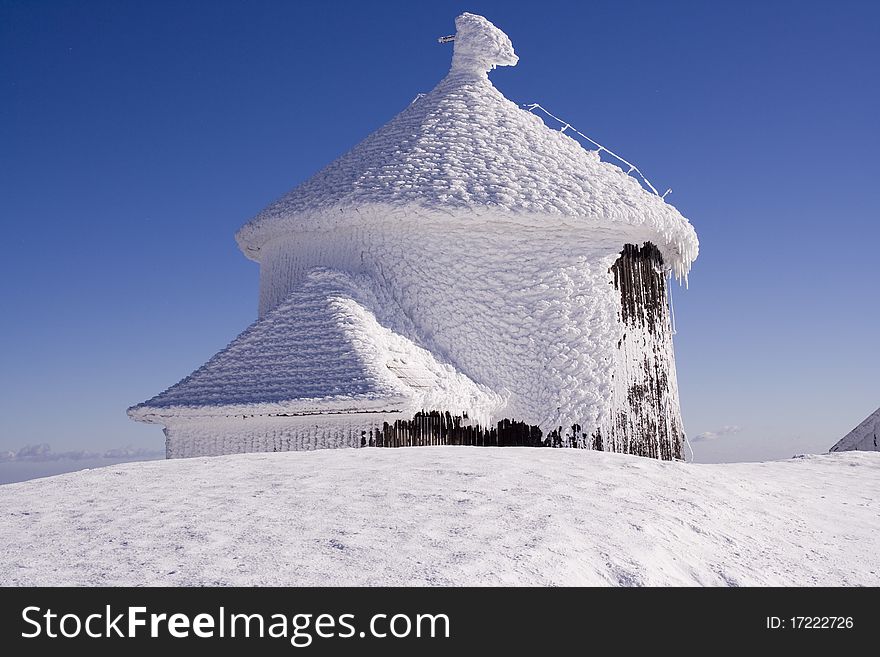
(135,138)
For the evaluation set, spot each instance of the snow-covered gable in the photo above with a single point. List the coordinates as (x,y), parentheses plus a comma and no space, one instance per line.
(865,437)
(465,150)
(321,351)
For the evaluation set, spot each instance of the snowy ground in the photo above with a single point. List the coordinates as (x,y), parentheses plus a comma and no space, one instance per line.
(447,516)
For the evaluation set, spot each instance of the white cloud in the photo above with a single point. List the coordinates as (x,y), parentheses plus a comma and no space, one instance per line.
(726,430)
(43,452)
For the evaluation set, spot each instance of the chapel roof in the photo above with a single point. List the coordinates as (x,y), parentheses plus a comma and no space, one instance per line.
(464,150)
(323,350)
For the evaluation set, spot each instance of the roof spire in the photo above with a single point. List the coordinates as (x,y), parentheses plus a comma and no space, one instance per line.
(480,46)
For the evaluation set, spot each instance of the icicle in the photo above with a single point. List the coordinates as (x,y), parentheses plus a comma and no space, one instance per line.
(688,443)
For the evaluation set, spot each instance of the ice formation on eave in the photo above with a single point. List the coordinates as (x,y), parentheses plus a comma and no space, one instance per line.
(323,350)
(865,437)
(463,150)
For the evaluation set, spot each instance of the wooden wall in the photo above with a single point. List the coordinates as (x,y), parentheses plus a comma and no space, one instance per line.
(646,416)
(437,428)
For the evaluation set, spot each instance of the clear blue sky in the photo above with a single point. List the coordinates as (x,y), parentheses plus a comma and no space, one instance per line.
(136,137)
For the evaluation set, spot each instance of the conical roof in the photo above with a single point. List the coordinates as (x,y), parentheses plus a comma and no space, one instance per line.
(323,350)
(463,150)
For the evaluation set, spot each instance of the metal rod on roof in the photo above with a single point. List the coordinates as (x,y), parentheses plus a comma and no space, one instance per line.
(533,106)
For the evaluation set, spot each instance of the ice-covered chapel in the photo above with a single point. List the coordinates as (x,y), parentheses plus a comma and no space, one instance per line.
(464,275)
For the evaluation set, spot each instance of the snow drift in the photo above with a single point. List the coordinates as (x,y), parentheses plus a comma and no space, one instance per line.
(447,516)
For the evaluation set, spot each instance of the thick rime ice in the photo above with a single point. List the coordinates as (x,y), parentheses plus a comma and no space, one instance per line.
(865,437)
(529,314)
(464,150)
(458,259)
(480,46)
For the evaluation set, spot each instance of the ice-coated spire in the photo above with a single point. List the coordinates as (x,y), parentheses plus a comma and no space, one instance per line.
(480,46)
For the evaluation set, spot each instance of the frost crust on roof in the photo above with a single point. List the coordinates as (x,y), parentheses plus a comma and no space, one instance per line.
(322,350)
(480,46)
(465,151)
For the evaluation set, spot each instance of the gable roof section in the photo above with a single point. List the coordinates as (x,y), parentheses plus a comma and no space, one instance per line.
(865,437)
(321,351)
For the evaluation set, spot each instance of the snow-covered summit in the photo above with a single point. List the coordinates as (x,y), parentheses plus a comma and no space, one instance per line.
(463,151)
(450,516)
